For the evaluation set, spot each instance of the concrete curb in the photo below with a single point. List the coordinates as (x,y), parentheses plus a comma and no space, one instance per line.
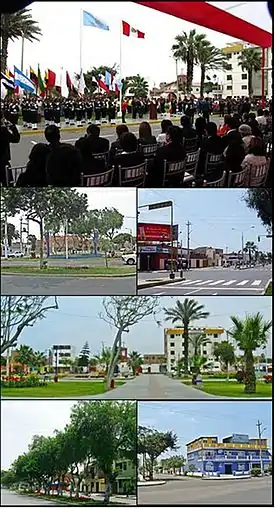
(144,484)
(266,287)
(67,275)
(83,128)
(159,283)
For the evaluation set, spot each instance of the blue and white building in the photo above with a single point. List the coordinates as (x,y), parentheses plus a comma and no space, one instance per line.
(234,455)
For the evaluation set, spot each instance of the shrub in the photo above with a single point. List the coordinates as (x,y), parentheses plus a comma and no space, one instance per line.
(256,472)
(17,381)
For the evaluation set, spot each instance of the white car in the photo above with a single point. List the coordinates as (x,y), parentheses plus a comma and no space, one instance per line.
(15,254)
(129,259)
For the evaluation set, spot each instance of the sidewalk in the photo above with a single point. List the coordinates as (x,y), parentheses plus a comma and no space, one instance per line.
(149,283)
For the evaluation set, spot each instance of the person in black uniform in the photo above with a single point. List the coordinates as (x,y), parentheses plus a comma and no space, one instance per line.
(72,106)
(134,108)
(104,110)
(66,110)
(162,105)
(12,113)
(111,110)
(221,107)
(46,113)
(180,105)
(56,112)
(78,113)
(8,134)
(97,107)
(89,110)
(34,114)
(229,106)
(24,113)
(173,106)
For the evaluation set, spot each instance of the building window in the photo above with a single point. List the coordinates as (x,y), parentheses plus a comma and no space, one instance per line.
(244,87)
(172,344)
(172,352)
(229,67)
(229,77)
(172,335)
(244,76)
(204,352)
(229,87)
(215,335)
(124,466)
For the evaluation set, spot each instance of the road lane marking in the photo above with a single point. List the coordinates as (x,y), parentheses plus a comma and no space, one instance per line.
(242,283)
(257,282)
(206,281)
(230,282)
(194,291)
(217,282)
(191,282)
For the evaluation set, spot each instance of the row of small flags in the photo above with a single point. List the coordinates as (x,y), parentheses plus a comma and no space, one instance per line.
(33,82)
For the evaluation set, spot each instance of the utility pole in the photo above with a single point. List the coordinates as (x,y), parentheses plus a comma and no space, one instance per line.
(188,224)
(260,432)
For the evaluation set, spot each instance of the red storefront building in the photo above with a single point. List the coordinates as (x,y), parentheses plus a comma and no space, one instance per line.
(154,245)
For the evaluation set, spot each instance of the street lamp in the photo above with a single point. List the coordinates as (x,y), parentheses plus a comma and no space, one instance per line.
(242,237)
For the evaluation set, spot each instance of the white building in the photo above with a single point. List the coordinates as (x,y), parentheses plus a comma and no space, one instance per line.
(235,79)
(61,354)
(174,345)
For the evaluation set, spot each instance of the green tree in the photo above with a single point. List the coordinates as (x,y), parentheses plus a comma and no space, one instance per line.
(175,463)
(122,313)
(121,239)
(251,249)
(198,341)
(185,49)
(153,443)
(18,313)
(208,58)
(198,362)
(25,355)
(138,86)
(225,353)
(110,429)
(105,356)
(185,313)
(8,478)
(84,355)
(106,246)
(261,200)
(180,366)
(41,204)
(135,361)
(250,334)
(250,60)
(13,27)
(39,360)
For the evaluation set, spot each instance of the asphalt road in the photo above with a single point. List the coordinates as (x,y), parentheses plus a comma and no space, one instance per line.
(154,387)
(211,281)
(20,152)
(8,498)
(185,491)
(63,285)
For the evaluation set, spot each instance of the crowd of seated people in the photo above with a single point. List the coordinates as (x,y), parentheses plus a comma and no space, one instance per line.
(239,141)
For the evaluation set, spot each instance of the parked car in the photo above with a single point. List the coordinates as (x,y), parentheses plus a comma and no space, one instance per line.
(129,259)
(15,254)
(268,378)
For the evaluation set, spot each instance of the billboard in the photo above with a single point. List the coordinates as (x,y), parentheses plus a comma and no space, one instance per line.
(155,232)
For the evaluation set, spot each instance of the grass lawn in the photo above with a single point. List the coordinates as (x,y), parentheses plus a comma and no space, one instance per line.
(70,271)
(58,390)
(269,290)
(235,390)
(62,500)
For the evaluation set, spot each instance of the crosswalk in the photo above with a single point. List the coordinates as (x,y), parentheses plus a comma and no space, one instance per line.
(211,283)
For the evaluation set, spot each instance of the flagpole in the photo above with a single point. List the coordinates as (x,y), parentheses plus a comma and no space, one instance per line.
(120,67)
(80,40)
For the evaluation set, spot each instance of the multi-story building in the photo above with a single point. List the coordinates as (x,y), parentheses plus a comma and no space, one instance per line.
(235,78)
(60,356)
(235,455)
(124,482)
(174,345)
(154,363)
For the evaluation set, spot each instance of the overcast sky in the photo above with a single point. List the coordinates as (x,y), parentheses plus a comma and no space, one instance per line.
(151,58)
(124,200)
(218,217)
(190,420)
(77,321)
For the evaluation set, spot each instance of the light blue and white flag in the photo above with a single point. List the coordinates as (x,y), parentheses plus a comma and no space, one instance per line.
(91,21)
(108,78)
(22,81)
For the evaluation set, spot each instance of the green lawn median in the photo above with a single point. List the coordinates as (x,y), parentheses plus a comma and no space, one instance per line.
(269,290)
(101,271)
(63,500)
(58,390)
(234,389)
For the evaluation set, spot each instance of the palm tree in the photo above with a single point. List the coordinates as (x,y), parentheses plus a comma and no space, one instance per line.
(14,26)
(25,356)
(180,366)
(185,50)
(138,86)
(250,248)
(198,341)
(250,60)
(39,360)
(209,57)
(135,361)
(184,313)
(250,334)
(105,356)
(197,363)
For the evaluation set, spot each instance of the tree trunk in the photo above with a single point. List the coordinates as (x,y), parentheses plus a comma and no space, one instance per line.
(250,88)
(189,75)
(5,42)
(186,353)
(106,260)
(250,378)
(108,490)
(114,358)
(227,372)
(151,469)
(202,80)
(41,230)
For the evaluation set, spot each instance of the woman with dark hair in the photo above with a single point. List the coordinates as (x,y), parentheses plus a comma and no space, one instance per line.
(165,124)
(200,127)
(64,166)
(256,154)
(145,134)
(224,128)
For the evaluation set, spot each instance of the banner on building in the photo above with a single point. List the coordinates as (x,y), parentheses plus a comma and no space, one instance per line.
(150,232)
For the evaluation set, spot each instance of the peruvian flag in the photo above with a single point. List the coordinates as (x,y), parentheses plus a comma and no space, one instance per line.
(68,81)
(128,30)
(51,77)
(103,86)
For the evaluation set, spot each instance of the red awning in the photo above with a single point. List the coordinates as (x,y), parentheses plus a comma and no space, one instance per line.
(208,16)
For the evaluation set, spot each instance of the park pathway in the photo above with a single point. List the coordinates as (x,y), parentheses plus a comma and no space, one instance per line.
(154,387)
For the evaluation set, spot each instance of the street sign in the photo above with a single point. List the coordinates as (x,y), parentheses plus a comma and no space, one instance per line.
(160,205)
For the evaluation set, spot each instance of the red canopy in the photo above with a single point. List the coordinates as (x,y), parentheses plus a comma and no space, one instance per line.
(208,16)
